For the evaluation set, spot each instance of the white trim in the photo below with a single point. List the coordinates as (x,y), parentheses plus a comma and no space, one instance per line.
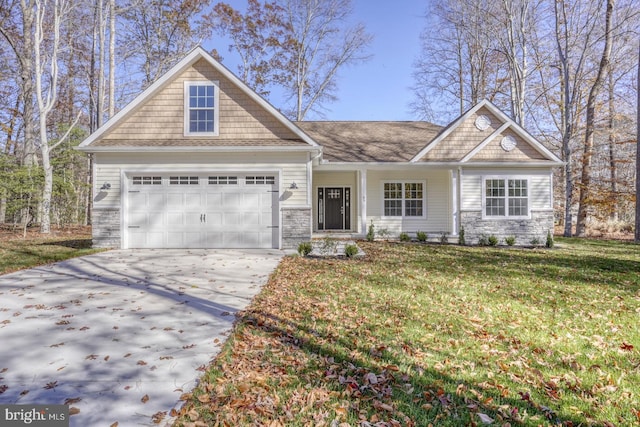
(506,179)
(505,119)
(447,132)
(125,174)
(190,59)
(455,215)
(362,196)
(216,107)
(403,182)
(435,165)
(484,142)
(196,149)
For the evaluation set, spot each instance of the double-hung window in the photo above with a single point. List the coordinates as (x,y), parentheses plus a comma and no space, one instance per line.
(404,199)
(506,197)
(201,108)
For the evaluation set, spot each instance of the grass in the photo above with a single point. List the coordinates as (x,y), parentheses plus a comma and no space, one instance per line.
(17,253)
(419,335)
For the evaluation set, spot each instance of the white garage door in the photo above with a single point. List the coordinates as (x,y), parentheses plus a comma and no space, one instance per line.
(202,211)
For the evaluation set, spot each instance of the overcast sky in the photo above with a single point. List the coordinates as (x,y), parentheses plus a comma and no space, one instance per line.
(378,89)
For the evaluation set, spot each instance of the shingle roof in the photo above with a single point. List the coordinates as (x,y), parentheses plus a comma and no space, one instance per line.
(370,141)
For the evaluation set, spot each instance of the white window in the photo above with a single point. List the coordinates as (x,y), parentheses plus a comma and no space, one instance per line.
(183,180)
(223,180)
(404,199)
(147,180)
(260,180)
(201,108)
(506,197)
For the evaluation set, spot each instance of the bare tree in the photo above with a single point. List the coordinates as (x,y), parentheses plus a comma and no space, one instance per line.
(321,45)
(259,37)
(637,221)
(585,184)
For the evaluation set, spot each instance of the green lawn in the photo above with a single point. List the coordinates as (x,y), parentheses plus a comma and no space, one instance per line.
(17,253)
(418,335)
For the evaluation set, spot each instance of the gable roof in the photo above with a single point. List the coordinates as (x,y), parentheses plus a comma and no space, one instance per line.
(197,54)
(359,141)
(507,125)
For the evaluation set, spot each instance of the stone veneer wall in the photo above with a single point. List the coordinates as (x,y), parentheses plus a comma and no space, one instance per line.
(296,227)
(105,225)
(524,230)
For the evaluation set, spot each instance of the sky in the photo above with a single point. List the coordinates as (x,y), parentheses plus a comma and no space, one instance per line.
(378,89)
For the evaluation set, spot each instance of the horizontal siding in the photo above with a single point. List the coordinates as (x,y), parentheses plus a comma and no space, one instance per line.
(539,182)
(109,166)
(105,199)
(438,194)
(162,116)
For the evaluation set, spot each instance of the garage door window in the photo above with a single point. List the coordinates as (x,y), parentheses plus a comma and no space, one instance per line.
(260,180)
(183,180)
(223,180)
(147,180)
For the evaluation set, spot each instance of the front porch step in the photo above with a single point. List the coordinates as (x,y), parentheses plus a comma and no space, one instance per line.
(330,247)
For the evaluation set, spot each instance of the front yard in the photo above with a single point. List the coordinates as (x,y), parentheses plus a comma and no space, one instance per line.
(418,335)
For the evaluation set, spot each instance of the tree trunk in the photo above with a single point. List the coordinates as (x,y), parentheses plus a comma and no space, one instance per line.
(112,58)
(613,173)
(585,185)
(637,224)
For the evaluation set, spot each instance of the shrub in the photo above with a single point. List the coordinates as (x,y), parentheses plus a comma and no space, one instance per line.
(305,248)
(549,242)
(384,233)
(483,240)
(371,233)
(461,240)
(510,240)
(493,240)
(350,251)
(535,241)
(444,237)
(421,236)
(404,237)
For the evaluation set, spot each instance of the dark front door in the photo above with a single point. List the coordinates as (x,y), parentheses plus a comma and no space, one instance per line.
(333,204)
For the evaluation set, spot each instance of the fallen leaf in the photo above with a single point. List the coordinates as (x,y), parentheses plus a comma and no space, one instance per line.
(73,411)
(141,362)
(3,388)
(626,346)
(204,398)
(485,418)
(158,416)
(50,385)
(72,400)
(114,424)
(145,398)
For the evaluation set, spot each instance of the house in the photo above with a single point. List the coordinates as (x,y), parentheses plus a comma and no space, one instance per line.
(199,160)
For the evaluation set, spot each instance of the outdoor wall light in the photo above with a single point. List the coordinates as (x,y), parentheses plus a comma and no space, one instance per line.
(293,186)
(105,186)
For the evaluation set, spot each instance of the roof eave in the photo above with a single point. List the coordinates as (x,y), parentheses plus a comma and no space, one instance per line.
(199,149)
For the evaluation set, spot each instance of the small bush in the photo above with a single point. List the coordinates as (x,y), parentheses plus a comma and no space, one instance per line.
(493,240)
(384,233)
(461,240)
(510,240)
(404,237)
(549,242)
(421,236)
(305,248)
(483,240)
(350,251)
(371,233)
(535,241)
(444,237)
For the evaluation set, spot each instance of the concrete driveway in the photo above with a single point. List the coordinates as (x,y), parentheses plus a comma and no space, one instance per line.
(122,334)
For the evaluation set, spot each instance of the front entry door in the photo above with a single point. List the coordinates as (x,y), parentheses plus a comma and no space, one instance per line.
(333,206)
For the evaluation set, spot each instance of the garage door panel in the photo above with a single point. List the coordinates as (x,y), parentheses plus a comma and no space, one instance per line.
(204,215)
(156,201)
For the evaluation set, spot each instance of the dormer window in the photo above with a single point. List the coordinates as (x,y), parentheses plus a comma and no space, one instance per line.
(201,108)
